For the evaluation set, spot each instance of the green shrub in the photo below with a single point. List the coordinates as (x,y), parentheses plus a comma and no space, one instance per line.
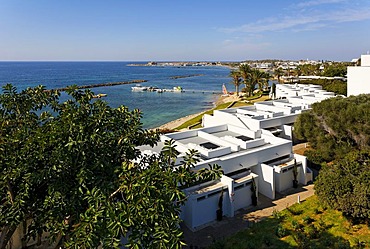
(280,231)
(278,215)
(293,211)
(317,211)
(311,232)
(267,240)
(308,220)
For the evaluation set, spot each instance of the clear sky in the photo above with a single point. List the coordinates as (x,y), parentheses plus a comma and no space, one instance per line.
(142,30)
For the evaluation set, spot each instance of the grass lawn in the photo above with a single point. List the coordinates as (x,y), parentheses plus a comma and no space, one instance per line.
(305,225)
(198,119)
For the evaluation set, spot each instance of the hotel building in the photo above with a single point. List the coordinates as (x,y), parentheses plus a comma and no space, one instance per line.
(253,145)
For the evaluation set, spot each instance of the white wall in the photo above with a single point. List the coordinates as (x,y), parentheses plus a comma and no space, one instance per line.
(246,132)
(243,196)
(212,129)
(278,110)
(277,121)
(201,209)
(303,173)
(266,180)
(179,135)
(247,159)
(287,132)
(221,118)
(284,180)
(365,60)
(228,207)
(218,140)
(250,123)
(358,80)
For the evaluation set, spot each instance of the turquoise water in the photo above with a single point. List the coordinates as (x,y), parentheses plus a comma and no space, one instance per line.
(157,108)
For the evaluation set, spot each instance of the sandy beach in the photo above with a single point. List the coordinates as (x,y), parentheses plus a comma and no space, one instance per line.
(176,123)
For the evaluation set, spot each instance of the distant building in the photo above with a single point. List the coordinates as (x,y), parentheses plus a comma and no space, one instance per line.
(358,77)
(264,65)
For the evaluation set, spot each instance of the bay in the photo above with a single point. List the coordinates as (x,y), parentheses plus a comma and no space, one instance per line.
(202,88)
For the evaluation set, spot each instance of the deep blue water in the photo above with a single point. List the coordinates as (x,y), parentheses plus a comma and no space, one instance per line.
(157,108)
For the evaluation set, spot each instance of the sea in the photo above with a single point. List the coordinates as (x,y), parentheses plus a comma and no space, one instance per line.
(202,84)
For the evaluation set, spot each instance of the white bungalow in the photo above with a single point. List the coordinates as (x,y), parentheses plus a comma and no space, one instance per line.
(272,117)
(251,144)
(245,156)
(315,92)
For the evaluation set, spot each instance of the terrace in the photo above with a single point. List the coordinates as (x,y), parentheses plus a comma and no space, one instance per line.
(217,141)
(272,116)
(301,90)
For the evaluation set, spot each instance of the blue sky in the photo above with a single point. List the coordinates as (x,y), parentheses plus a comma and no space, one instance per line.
(142,30)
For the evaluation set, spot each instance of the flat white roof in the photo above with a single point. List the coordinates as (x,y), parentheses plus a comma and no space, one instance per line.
(314,91)
(222,141)
(267,109)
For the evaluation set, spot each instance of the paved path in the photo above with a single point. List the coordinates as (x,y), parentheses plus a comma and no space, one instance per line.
(244,217)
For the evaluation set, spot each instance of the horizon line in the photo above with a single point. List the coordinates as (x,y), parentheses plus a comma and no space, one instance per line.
(175,60)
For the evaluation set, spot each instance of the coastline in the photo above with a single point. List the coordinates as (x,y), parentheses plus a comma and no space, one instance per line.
(177,122)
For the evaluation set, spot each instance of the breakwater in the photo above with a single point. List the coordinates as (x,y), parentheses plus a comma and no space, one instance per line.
(185,76)
(100,85)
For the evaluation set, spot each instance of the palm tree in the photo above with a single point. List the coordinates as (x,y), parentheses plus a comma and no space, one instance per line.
(309,69)
(278,73)
(245,73)
(236,80)
(299,71)
(266,78)
(257,78)
(273,90)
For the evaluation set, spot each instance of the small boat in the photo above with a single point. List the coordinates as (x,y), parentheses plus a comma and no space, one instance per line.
(178,89)
(100,95)
(139,88)
(153,89)
(224,91)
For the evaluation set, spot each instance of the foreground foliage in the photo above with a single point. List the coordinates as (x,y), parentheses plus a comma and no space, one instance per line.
(338,131)
(345,185)
(305,225)
(72,169)
(335,126)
